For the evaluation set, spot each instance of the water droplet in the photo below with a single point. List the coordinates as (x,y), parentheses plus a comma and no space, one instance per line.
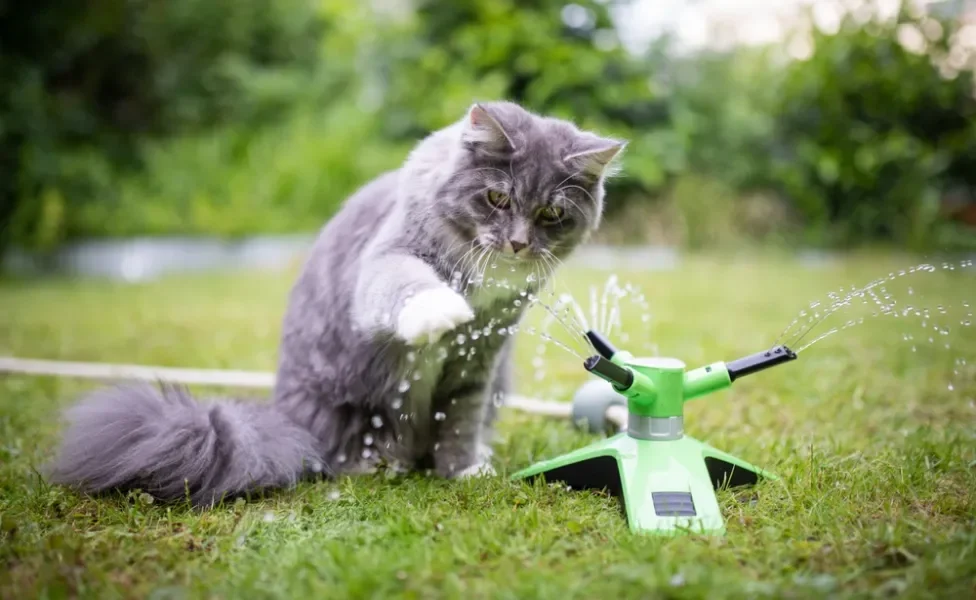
(537,362)
(475,334)
(404,386)
(442,353)
(517,302)
(911,292)
(437,446)
(645,318)
(341,458)
(966,323)
(464,372)
(453,401)
(411,356)
(368,439)
(460,339)
(951,387)
(530,278)
(439,416)
(397,403)
(367,453)
(416,376)
(494,265)
(268,517)
(377,421)
(512,270)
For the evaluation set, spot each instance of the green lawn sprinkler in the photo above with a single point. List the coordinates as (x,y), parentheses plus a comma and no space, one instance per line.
(665,479)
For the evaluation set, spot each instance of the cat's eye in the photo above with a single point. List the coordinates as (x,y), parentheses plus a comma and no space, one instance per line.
(498,199)
(551,214)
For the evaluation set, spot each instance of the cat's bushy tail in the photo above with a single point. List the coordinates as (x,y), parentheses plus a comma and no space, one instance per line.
(164,442)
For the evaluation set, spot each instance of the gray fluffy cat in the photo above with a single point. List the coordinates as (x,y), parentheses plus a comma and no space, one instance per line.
(396,343)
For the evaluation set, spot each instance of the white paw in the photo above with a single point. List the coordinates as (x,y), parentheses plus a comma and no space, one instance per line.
(485,452)
(430,314)
(481,469)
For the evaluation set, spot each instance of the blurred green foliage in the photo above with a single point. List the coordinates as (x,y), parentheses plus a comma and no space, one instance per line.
(122,117)
(871,134)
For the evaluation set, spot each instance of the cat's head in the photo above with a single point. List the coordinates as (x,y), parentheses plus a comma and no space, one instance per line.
(524,186)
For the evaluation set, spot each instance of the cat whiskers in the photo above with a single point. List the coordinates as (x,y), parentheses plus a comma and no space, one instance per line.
(552,262)
(489,256)
(472,268)
(461,261)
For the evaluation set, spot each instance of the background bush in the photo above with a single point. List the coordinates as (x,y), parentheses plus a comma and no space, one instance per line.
(230,117)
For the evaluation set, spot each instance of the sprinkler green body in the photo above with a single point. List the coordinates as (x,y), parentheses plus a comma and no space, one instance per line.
(665,479)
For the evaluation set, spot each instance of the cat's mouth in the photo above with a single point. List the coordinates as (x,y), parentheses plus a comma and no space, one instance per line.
(509,255)
(507,250)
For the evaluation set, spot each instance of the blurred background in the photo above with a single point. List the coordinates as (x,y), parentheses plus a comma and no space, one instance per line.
(827,124)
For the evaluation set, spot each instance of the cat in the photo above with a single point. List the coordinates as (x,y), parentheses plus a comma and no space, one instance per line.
(396,345)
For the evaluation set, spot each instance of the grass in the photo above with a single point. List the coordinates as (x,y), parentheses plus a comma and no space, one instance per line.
(877,456)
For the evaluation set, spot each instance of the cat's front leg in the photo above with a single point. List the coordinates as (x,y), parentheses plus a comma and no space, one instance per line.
(403,295)
(459,450)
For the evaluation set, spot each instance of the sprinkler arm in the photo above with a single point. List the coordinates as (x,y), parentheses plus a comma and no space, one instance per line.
(615,366)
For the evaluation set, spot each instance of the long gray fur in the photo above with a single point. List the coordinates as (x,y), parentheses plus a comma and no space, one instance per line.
(352,392)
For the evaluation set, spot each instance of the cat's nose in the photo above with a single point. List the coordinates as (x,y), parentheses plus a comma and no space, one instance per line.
(517,246)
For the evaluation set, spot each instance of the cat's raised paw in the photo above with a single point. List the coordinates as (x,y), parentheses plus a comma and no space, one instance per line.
(430,314)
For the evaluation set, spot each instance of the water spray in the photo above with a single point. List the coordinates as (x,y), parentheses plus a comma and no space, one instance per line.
(665,479)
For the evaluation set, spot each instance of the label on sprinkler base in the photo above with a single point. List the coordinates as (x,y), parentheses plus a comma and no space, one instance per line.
(673,504)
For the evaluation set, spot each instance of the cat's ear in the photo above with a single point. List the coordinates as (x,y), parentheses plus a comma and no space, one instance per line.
(481,128)
(594,155)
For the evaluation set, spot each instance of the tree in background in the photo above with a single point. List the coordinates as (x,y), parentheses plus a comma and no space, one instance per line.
(875,127)
(109,75)
(229,117)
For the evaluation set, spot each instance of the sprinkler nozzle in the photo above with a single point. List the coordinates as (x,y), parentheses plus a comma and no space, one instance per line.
(619,376)
(759,362)
(601,344)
